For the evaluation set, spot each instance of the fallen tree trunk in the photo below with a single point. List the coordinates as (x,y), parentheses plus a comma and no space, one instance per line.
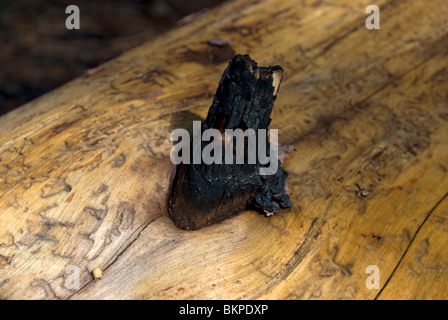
(85,173)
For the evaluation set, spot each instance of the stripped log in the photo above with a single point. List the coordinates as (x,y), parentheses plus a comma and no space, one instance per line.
(85,172)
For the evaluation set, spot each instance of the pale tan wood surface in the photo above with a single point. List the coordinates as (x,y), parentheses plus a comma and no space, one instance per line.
(85,170)
(423,271)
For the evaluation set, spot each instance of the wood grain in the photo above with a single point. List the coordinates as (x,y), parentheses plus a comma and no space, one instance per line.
(423,271)
(85,170)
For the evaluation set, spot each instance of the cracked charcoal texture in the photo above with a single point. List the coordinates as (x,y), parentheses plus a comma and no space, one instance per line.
(204,194)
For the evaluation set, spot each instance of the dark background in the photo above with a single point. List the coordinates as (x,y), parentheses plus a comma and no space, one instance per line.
(38,53)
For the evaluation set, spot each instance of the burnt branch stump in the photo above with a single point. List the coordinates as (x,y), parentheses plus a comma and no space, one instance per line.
(202,193)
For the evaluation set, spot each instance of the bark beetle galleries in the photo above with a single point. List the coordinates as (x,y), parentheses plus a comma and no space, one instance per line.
(203,194)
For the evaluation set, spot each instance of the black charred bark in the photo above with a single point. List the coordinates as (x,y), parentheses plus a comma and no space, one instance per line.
(204,194)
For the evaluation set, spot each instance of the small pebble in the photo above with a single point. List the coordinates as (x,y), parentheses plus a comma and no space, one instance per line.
(219,43)
(365,193)
(97,273)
